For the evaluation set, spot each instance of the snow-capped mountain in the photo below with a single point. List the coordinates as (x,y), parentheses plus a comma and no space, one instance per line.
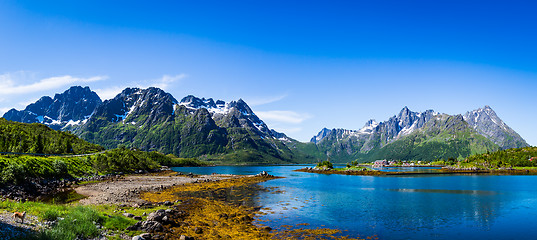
(152,119)
(487,123)
(470,133)
(400,125)
(232,114)
(72,107)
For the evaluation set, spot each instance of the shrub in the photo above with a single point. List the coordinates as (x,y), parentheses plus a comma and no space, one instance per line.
(325,164)
(13,172)
(50,214)
(60,168)
(77,224)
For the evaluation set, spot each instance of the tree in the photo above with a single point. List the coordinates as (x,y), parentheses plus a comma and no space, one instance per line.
(38,145)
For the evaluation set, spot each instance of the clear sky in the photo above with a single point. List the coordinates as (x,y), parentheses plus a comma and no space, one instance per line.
(300,65)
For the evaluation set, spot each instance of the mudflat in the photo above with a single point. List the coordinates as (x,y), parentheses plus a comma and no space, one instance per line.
(126,190)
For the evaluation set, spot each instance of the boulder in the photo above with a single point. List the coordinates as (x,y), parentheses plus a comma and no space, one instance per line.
(264,174)
(156,216)
(147,226)
(146,236)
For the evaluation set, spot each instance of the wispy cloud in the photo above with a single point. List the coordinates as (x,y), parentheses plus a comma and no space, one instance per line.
(8,83)
(283,116)
(108,93)
(166,80)
(163,83)
(257,101)
(4,110)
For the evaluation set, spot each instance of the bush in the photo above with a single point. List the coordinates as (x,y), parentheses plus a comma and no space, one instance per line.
(60,168)
(77,224)
(126,160)
(325,164)
(50,215)
(14,172)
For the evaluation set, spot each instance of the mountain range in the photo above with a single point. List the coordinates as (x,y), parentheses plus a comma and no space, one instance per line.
(153,120)
(420,136)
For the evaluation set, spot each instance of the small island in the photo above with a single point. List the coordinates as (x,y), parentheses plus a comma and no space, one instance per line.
(516,161)
(326,167)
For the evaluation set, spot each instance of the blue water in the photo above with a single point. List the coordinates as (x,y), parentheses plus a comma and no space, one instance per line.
(397,207)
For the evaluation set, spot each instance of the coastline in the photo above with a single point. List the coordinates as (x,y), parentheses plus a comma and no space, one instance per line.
(169,205)
(125,190)
(443,171)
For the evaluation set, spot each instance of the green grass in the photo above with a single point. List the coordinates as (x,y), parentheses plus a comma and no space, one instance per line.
(15,169)
(78,221)
(353,169)
(518,158)
(525,168)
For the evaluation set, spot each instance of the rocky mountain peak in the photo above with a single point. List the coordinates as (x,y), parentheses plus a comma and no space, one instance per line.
(369,126)
(319,137)
(132,103)
(191,101)
(241,106)
(487,123)
(404,112)
(371,123)
(70,107)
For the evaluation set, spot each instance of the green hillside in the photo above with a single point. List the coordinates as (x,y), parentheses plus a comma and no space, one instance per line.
(38,138)
(441,138)
(515,157)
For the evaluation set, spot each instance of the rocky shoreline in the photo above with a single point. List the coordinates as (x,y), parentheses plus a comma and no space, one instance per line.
(443,171)
(342,172)
(122,191)
(157,212)
(125,190)
(34,188)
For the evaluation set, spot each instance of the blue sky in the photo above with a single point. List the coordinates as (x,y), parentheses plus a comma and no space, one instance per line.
(301,66)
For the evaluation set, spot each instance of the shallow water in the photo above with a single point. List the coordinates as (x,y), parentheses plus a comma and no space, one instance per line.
(397,207)
(63,197)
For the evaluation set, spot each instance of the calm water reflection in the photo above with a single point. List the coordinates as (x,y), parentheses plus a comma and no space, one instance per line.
(392,207)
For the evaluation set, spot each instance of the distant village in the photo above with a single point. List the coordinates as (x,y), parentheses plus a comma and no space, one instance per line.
(393,163)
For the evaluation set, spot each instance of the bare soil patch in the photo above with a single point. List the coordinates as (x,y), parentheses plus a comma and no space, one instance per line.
(126,190)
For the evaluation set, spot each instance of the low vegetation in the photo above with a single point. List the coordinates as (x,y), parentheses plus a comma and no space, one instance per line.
(40,139)
(517,158)
(71,221)
(325,165)
(174,161)
(16,169)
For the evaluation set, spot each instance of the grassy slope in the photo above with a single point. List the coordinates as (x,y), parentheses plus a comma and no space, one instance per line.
(188,137)
(16,169)
(516,157)
(38,138)
(443,146)
(442,138)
